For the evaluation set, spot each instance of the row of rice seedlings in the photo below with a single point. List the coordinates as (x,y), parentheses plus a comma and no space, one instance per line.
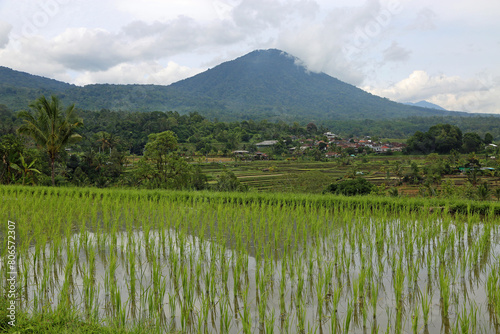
(302,242)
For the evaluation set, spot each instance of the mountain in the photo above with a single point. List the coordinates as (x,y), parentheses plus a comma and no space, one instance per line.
(425,104)
(18,89)
(9,77)
(264,84)
(277,86)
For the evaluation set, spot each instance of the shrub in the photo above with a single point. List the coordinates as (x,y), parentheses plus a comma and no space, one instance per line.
(358,186)
(227,181)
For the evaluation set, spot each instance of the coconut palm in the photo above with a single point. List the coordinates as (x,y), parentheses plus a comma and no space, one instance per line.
(50,126)
(107,140)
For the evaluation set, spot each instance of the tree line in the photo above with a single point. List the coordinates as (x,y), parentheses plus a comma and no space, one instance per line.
(53,144)
(445,138)
(93,148)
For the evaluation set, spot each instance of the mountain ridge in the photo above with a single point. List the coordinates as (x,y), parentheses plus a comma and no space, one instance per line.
(263,84)
(425,104)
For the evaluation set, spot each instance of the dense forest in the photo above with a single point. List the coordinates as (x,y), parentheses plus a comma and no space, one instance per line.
(133,128)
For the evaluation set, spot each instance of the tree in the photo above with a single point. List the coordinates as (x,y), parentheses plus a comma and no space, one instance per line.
(227,181)
(51,127)
(358,186)
(488,138)
(280,147)
(398,170)
(312,128)
(472,142)
(484,191)
(441,138)
(11,149)
(159,150)
(107,140)
(446,137)
(162,166)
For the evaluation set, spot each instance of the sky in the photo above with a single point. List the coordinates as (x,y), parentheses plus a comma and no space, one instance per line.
(446,52)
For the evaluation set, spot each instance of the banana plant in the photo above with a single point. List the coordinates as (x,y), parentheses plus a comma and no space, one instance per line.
(25,169)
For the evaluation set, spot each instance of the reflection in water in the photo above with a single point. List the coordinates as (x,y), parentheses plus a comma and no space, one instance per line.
(360,277)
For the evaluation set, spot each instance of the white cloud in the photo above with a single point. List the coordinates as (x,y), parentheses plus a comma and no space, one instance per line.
(88,49)
(480,94)
(425,20)
(396,53)
(29,55)
(342,43)
(161,10)
(263,14)
(94,50)
(362,42)
(142,73)
(5,29)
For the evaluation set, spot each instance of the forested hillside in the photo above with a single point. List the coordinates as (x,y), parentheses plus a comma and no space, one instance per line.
(264,84)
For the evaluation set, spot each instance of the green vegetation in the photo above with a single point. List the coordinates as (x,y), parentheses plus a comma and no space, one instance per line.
(179,157)
(310,232)
(163,167)
(264,84)
(358,186)
(170,261)
(50,127)
(441,138)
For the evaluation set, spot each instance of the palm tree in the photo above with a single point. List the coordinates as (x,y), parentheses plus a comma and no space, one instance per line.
(50,126)
(107,140)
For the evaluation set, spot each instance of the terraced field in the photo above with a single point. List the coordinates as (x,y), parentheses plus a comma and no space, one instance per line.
(313,177)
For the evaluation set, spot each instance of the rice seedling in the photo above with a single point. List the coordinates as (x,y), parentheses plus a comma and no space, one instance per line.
(202,262)
(426,304)
(444,288)
(348,317)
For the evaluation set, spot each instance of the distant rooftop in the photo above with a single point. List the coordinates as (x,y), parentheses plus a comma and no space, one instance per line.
(267,143)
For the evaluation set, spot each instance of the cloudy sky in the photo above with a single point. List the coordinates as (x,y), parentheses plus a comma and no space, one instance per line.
(445,52)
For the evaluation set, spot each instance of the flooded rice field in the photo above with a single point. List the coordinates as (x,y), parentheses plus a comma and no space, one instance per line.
(205,267)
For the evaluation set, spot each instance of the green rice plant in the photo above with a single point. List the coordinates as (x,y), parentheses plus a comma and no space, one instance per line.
(172,304)
(246,318)
(203,315)
(398,284)
(464,321)
(89,294)
(269,329)
(444,289)
(375,328)
(224,316)
(364,312)
(334,323)
(262,305)
(426,304)
(320,295)
(374,297)
(283,287)
(348,317)
(300,288)
(415,318)
(326,235)
(301,317)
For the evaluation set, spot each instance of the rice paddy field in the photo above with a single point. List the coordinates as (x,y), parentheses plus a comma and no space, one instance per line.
(201,262)
(313,176)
